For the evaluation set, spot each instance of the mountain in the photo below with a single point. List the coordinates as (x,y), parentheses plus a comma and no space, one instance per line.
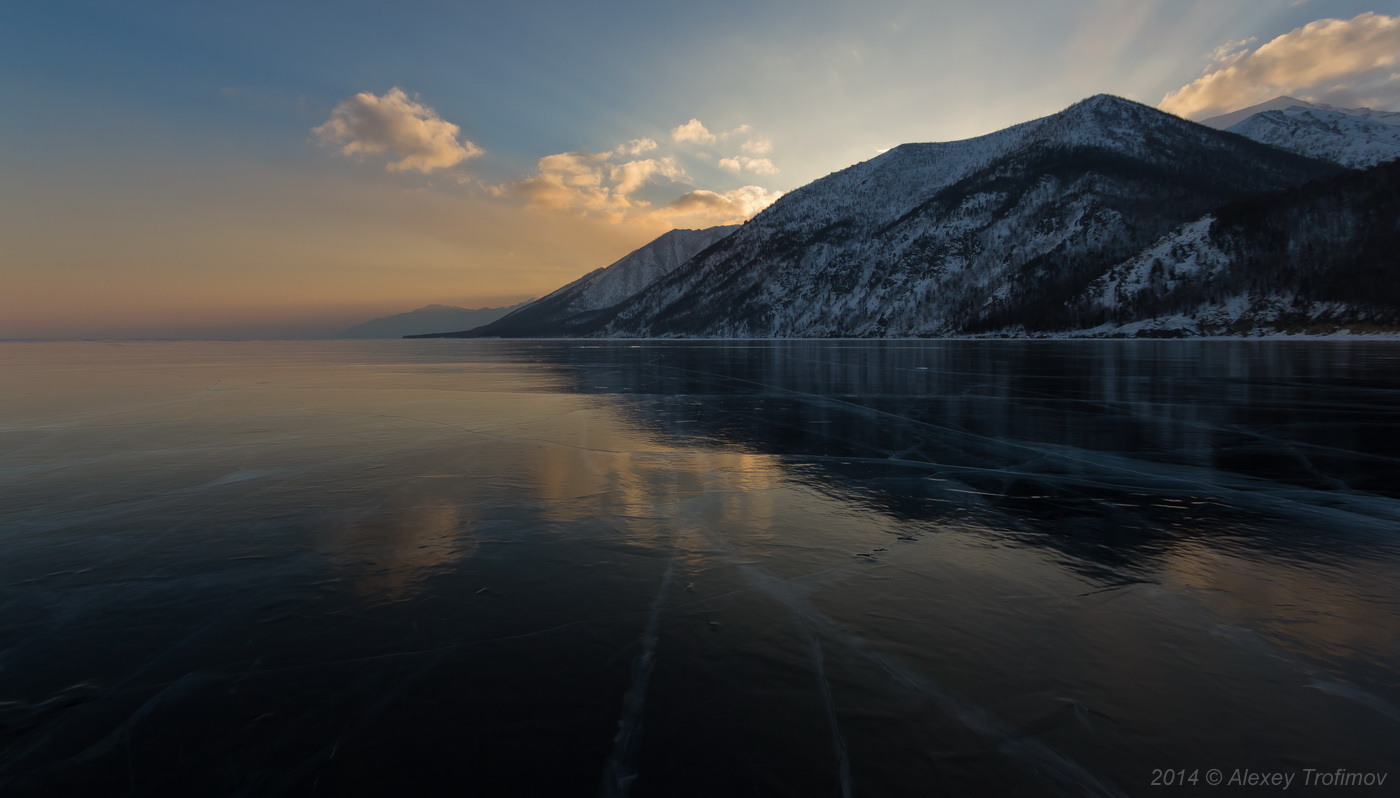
(1226,121)
(1353,137)
(1283,103)
(1316,258)
(429,318)
(1334,136)
(995,232)
(576,308)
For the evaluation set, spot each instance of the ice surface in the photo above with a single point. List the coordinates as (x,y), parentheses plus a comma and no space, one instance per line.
(694,568)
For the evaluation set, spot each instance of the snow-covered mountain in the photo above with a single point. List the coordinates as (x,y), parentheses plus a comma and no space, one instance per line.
(1109,218)
(1226,121)
(575,308)
(989,233)
(427,319)
(1335,136)
(1316,258)
(1353,137)
(1283,103)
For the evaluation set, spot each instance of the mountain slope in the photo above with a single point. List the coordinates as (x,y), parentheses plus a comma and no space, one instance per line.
(427,319)
(932,239)
(1354,141)
(575,308)
(1226,121)
(1315,258)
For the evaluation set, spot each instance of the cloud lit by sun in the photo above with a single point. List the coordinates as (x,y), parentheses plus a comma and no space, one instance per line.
(395,124)
(616,185)
(1352,62)
(386,159)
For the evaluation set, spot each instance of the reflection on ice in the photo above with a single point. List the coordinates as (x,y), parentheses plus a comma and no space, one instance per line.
(694,568)
(392,552)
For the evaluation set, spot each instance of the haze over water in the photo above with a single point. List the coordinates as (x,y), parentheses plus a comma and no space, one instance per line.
(886,568)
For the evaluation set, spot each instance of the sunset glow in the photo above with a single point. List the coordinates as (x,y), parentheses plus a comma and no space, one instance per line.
(179,172)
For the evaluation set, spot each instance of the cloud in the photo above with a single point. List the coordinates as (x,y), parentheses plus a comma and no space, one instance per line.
(757,147)
(1343,62)
(631,176)
(692,132)
(695,132)
(592,183)
(638,182)
(1229,54)
(739,163)
(636,147)
(393,123)
(701,208)
(595,184)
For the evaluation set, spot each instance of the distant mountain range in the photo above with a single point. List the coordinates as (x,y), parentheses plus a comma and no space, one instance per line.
(1227,121)
(1108,218)
(427,319)
(1353,137)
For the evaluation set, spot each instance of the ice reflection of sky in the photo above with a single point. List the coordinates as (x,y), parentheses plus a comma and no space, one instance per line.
(800,567)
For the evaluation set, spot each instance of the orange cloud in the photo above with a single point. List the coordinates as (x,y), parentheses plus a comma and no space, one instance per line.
(757,146)
(637,147)
(692,132)
(739,163)
(414,133)
(701,208)
(617,186)
(591,183)
(1346,62)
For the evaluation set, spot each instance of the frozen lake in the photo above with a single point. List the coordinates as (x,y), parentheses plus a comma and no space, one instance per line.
(696,568)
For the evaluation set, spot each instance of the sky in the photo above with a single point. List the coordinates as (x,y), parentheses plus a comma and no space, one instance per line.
(267,170)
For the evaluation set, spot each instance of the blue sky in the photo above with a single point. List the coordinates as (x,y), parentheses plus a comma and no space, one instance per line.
(159,173)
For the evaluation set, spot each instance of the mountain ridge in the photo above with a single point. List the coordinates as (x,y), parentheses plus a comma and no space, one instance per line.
(1283,103)
(575,308)
(964,234)
(1066,224)
(429,318)
(1347,139)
